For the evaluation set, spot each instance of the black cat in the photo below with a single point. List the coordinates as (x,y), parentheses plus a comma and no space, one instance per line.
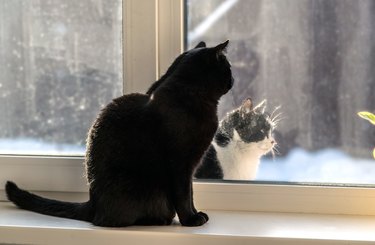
(142,150)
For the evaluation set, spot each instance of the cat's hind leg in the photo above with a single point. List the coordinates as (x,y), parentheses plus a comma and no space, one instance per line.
(111,219)
(109,213)
(158,212)
(129,211)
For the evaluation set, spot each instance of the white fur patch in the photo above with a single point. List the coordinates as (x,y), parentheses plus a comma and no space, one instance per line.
(240,160)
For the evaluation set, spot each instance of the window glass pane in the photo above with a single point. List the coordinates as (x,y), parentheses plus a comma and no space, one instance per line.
(60,62)
(316,59)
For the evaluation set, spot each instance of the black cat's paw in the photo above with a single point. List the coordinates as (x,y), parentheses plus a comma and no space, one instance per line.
(204,215)
(197,219)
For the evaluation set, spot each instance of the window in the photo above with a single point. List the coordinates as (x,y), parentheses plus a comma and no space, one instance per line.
(129,27)
(61,62)
(315,59)
(152,37)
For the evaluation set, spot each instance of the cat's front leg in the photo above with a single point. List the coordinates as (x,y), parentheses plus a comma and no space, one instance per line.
(183,201)
(192,203)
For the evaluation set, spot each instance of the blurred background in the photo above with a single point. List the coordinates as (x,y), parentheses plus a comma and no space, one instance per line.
(60,63)
(316,59)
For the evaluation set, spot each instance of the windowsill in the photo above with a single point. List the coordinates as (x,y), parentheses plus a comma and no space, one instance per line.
(22,227)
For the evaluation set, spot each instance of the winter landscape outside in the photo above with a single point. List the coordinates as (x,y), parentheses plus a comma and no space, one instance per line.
(316,59)
(61,61)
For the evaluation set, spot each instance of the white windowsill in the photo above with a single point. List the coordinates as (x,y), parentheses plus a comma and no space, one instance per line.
(23,227)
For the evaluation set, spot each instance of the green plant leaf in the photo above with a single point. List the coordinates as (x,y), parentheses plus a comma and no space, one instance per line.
(368,116)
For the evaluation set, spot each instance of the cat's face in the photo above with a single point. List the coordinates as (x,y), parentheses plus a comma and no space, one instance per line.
(254,125)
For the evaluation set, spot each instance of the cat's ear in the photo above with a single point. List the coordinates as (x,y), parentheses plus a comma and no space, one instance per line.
(247,106)
(221,48)
(201,44)
(261,107)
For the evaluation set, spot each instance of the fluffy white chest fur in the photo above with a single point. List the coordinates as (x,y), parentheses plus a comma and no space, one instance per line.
(240,160)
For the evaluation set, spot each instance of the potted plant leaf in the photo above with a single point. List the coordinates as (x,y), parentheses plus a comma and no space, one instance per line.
(371,118)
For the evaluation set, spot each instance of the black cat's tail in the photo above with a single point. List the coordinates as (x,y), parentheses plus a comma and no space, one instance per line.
(28,201)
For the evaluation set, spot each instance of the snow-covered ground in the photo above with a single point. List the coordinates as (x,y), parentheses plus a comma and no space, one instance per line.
(326,166)
(27,146)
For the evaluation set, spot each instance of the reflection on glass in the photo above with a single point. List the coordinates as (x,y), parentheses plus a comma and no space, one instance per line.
(316,60)
(60,63)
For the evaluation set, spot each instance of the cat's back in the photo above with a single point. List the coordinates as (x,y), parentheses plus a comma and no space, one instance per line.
(130,104)
(121,125)
(125,110)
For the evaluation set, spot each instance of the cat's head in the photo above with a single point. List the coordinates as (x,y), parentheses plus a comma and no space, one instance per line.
(176,62)
(171,69)
(255,125)
(205,68)
(250,124)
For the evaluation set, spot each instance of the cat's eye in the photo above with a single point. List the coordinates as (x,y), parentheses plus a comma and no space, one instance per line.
(264,133)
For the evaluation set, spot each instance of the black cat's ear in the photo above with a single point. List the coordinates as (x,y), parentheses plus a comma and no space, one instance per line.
(201,44)
(221,48)
(247,106)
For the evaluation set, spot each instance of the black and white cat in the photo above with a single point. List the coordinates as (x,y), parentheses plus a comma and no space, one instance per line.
(143,149)
(243,137)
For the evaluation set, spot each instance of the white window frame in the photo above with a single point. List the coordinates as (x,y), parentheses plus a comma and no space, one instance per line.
(153,37)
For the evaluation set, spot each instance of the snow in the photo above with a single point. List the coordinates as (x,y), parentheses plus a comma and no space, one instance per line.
(324,166)
(28,146)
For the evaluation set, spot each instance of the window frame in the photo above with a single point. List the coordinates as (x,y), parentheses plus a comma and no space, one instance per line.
(152,38)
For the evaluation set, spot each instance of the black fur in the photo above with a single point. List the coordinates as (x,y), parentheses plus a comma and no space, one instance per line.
(222,138)
(29,201)
(142,150)
(210,168)
(171,69)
